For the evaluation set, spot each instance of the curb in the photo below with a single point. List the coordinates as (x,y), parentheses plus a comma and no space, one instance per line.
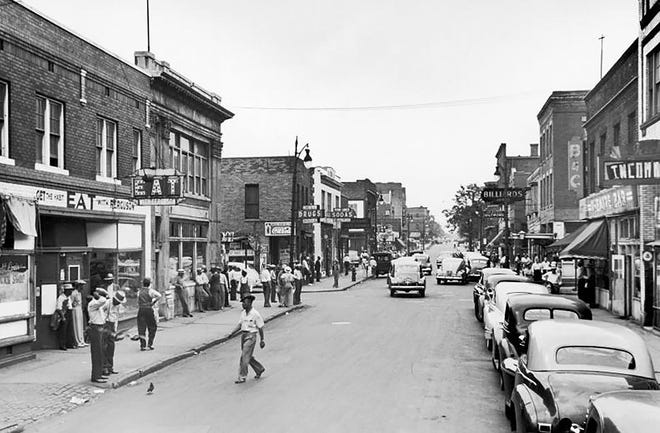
(352,284)
(11,428)
(159,365)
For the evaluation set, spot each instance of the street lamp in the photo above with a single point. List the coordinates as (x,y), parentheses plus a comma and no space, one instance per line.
(294,184)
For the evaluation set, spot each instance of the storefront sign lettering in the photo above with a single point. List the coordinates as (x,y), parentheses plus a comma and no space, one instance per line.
(158,186)
(277,228)
(608,202)
(502,195)
(635,172)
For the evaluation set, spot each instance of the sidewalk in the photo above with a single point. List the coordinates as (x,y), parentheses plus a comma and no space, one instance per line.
(57,382)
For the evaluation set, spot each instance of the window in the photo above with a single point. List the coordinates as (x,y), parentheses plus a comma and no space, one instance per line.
(137,149)
(595,356)
(106,143)
(654,83)
(534,314)
(188,242)
(251,202)
(632,129)
(337,202)
(4,120)
(564,314)
(616,135)
(49,132)
(190,157)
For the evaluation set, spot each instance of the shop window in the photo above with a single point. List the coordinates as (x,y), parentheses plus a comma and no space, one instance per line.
(129,276)
(187,247)
(174,264)
(49,130)
(252,201)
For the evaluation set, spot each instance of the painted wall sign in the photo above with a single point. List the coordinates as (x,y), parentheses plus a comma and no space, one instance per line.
(609,201)
(575,164)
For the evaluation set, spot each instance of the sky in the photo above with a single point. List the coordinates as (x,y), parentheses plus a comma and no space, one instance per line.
(420,92)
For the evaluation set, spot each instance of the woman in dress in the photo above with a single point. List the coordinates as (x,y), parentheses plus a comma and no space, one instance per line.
(77,314)
(286,285)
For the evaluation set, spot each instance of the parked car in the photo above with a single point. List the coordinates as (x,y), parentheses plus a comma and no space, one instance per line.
(496,303)
(621,412)
(475,262)
(521,311)
(383,263)
(567,362)
(425,261)
(451,269)
(486,283)
(406,276)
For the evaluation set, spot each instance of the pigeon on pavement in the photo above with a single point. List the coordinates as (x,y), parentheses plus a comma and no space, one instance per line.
(151,388)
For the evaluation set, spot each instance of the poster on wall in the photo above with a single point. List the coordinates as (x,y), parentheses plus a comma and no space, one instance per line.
(14,285)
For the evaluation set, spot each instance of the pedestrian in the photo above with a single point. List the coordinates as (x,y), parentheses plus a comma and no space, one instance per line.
(245,286)
(234,282)
(582,278)
(347,264)
(504,261)
(306,273)
(62,309)
(286,287)
(182,292)
(225,273)
(110,285)
(317,268)
(217,284)
(201,295)
(335,273)
(372,266)
(298,283)
(265,284)
(113,309)
(77,313)
(97,314)
(251,323)
(146,320)
(274,289)
(537,270)
(207,286)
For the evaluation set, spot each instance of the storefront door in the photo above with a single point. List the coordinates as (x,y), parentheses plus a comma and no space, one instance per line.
(46,289)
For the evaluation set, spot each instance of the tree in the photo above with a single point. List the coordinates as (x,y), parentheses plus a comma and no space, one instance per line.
(465,217)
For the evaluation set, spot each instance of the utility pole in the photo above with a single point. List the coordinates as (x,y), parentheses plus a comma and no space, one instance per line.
(601,55)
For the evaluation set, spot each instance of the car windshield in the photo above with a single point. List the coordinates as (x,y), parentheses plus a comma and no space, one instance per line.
(383,259)
(534,314)
(407,269)
(595,356)
(564,314)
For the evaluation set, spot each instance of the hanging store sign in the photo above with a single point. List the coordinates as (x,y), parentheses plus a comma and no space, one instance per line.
(494,214)
(157,187)
(311,212)
(631,172)
(502,195)
(277,228)
(610,201)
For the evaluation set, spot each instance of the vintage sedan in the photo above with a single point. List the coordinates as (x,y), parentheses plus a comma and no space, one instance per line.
(406,276)
(452,269)
(567,363)
(475,262)
(621,412)
(425,261)
(521,311)
(489,279)
(496,304)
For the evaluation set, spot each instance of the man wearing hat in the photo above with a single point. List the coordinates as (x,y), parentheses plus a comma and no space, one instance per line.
(113,308)
(63,309)
(110,284)
(181,292)
(97,315)
(146,320)
(251,323)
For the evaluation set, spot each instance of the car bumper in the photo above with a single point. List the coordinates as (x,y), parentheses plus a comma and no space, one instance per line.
(451,278)
(407,287)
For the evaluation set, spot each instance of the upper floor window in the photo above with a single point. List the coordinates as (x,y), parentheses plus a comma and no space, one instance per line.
(4,120)
(49,132)
(190,157)
(654,83)
(632,129)
(137,149)
(251,201)
(106,144)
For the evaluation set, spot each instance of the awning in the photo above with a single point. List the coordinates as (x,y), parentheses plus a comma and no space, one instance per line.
(653,244)
(495,239)
(22,214)
(590,243)
(562,243)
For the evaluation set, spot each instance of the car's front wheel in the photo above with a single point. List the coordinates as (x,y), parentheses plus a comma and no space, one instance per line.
(392,293)
(422,293)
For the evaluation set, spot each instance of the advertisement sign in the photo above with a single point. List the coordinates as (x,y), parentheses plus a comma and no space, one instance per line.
(631,172)
(575,164)
(277,228)
(503,195)
(314,213)
(494,214)
(609,202)
(157,187)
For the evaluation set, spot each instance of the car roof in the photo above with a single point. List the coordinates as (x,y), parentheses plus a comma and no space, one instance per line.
(629,411)
(452,259)
(486,272)
(405,261)
(533,300)
(498,278)
(474,255)
(547,336)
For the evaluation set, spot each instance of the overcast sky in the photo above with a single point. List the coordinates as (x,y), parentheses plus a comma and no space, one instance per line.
(456,78)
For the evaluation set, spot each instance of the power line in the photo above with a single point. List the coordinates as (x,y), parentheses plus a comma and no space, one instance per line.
(412,106)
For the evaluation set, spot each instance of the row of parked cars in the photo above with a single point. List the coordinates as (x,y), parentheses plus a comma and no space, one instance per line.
(560,371)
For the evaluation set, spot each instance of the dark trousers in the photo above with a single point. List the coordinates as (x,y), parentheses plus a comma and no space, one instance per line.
(233,286)
(266,289)
(216,301)
(318,275)
(346,266)
(71,341)
(200,298)
(146,321)
(63,331)
(226,297)
(108,347)
(297,292)
(582,290)
(182,299)
(273,291)
(96,350)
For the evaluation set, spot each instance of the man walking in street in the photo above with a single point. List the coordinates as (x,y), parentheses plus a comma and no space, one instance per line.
(182,293)
(251,323)
(317,269)
(265,284)
(146,320)
(113,308)
(97,314)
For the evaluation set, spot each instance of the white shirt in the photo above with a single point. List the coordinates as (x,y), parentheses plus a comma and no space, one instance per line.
(265,275)
(297,274)
(251,321)
(96,310)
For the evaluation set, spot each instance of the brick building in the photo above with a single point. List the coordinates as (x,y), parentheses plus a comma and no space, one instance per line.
(362,196)
(417,219)
(75,125)
(391,227)
(327,195)
(255,204)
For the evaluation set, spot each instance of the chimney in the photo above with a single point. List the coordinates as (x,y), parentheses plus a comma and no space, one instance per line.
(534,149)
(145,60)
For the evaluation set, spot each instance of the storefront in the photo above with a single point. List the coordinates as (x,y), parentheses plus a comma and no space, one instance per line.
(278,234)
(83,236)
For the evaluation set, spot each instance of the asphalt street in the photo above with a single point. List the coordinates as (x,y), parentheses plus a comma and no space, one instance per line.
(354,361)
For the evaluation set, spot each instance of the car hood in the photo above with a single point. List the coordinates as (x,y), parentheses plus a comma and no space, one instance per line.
(571,391)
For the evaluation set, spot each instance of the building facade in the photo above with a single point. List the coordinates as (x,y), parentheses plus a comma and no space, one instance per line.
(391,207)
(327,196)
(360,233)
(256,203)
